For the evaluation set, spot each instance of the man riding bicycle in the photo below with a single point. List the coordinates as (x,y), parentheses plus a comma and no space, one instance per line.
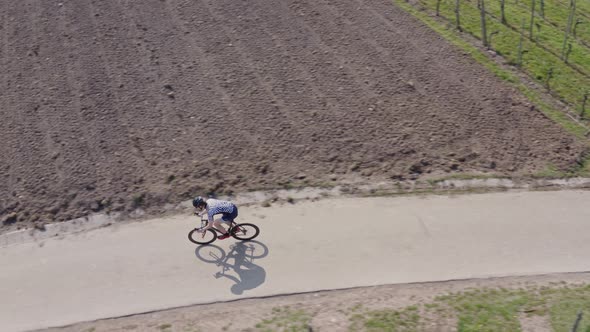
(228,211)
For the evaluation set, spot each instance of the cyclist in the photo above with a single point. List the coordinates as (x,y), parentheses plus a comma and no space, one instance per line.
(228,211)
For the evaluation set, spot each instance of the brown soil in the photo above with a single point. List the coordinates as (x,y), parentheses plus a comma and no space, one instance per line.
(327,310)
(115,105)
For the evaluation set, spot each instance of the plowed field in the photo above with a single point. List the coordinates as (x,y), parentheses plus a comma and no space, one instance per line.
(114,105)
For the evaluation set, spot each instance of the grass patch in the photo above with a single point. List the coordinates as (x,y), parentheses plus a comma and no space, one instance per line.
(465,176)
(406,319)
(285,319)
(566,84)
(489,310)
(164,326)
(170,178)
(138,200)
(499,309)
(584,169)
(565,303)
(552,172)
(432,191)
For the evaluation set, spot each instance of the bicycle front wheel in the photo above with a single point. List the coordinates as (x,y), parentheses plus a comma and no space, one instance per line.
(245,232)
(202,238)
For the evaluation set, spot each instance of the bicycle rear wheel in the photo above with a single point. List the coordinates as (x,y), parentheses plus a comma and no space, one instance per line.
(245,232)
(202,238)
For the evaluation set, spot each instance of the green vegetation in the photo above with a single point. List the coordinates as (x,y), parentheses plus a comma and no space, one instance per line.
(549,32)
(465,176)
(285,319)
(563,312)
(170,178)
(488,310)
(386,320)
(552,172)
(586,167)
(138,200)
(566,83)
(478,310)
(471,310)
(164,326)
(498,309)
(542,53)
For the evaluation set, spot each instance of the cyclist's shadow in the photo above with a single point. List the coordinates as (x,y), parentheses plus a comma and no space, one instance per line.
(243,254)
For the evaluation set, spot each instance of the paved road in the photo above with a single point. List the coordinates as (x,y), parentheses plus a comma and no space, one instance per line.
(333,243)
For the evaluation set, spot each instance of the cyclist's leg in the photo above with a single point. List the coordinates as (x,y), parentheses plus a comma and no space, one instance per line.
(217,224)
(227,218)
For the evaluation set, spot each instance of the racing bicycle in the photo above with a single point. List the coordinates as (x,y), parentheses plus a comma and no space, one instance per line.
(244,232)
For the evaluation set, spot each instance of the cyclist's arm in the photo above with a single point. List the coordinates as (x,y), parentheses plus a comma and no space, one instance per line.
(209,219)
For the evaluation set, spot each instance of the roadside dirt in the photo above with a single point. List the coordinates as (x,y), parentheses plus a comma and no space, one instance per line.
(328,310)
(113,106)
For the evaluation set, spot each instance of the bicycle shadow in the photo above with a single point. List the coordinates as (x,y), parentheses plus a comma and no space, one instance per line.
(244,272)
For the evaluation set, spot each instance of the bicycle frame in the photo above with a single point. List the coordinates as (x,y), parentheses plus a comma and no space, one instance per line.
(205,222)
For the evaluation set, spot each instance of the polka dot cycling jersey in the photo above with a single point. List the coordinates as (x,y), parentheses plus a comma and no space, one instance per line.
(216,206)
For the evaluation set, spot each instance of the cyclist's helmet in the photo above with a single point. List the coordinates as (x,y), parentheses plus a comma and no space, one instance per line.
(198,201)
